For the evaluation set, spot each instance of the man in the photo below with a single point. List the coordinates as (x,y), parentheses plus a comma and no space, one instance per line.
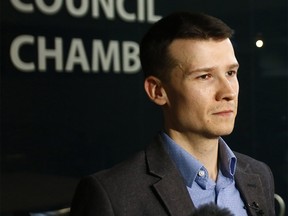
(191,73)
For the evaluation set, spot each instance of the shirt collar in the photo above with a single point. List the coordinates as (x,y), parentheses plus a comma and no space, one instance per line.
(228,159)
(189,166)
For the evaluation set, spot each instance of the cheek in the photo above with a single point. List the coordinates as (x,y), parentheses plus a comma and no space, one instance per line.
(198,100)
(203,95)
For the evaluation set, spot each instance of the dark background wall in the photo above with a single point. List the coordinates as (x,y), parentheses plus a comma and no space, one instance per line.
(71,115)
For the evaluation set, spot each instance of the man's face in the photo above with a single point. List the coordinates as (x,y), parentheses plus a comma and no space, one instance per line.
(202,93)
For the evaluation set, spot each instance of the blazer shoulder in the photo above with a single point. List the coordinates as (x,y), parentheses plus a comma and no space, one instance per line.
(252,166)
(131,166)
(246,162)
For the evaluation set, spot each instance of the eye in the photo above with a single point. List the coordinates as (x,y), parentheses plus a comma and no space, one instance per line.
(204,76)
(231,73)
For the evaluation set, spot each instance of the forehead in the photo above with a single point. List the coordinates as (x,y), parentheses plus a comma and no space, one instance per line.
(191,52)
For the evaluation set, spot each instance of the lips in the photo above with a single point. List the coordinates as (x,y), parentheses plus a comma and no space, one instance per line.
(224,112)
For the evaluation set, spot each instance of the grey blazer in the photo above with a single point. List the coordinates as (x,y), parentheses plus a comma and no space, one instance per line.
(149,184)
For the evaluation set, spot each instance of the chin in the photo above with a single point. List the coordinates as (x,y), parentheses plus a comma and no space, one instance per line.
(217,134)
(226,132)
(223,131)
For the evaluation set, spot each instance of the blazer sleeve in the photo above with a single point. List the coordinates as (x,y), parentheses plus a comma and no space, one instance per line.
(91,199)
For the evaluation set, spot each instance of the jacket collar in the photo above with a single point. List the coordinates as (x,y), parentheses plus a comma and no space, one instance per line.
(171,187)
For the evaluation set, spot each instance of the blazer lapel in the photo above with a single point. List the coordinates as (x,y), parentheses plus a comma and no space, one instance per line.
(250,187)
(170,187)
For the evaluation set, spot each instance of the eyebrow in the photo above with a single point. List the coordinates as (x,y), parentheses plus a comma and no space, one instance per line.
(208,69)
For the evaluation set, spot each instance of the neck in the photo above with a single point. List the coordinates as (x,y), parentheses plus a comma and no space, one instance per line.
(203,149)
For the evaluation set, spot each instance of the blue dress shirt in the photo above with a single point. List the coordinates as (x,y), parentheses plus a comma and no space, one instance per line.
(201,188)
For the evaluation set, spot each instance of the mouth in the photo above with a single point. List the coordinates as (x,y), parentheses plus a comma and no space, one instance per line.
(224,113)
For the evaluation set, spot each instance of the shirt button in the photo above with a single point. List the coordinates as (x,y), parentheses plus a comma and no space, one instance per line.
(201,173)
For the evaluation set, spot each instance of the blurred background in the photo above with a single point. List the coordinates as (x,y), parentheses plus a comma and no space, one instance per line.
(72,99)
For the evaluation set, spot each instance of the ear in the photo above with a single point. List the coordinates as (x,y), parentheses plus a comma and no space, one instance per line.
(155,91)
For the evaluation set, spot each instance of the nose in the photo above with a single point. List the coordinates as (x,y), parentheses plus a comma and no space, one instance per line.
(227,89)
